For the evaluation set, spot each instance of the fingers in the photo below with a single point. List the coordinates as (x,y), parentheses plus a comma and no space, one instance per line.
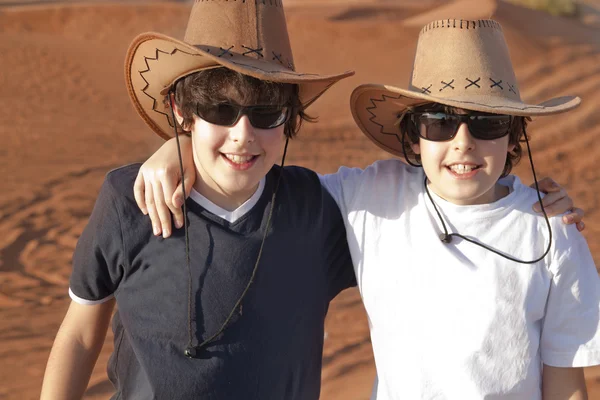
(547,185)
(152,213)
(555,203)
(168,193)
(178,194)
(178,199)
(138,192)
(162,211)
(575,216)
(189,179)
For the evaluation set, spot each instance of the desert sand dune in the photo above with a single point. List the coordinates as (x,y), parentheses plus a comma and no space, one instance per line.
(67,120)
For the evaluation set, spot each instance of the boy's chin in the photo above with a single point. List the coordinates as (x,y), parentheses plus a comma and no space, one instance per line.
(468,197)
(239,186)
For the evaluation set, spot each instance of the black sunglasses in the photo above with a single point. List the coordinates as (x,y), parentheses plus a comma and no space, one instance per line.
(440,127)
(261,117)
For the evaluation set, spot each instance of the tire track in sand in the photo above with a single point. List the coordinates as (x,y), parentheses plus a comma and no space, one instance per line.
(40,236)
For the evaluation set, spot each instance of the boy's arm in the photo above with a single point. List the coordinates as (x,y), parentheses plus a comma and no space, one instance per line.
(75,350)
(570,338)
(158,188)
(563,384)
(158,191)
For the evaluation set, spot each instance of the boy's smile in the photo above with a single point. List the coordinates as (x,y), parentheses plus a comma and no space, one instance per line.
(240,162)
(465,170)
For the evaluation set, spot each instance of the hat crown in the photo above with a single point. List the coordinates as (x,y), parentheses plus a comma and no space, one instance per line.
(251,28)
(464,59)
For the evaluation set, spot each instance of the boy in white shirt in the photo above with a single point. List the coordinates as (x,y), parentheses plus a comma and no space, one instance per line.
(492,300)
(469,293)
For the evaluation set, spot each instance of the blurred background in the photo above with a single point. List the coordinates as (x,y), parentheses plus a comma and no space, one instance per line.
(66,120)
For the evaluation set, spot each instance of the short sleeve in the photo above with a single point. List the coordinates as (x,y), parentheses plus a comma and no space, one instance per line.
(98,257)
(570,334)
(343,186)
(341,270)
(355,188)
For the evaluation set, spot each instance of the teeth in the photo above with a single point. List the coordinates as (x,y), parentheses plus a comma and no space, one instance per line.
(238,159)
(462,169)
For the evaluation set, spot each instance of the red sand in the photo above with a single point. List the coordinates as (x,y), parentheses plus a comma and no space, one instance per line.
(67,121)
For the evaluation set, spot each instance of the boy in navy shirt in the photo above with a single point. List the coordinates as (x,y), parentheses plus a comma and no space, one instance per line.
(234,306)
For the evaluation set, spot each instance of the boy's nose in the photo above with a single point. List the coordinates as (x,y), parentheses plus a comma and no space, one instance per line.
(463,141)
(243,131)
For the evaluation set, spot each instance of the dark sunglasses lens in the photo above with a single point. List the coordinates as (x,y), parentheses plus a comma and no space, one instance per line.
(268,117)
(488,127)
(437,126)
(218,114)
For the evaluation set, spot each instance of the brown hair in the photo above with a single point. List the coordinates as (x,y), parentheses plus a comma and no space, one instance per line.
(408,130)
(219,85)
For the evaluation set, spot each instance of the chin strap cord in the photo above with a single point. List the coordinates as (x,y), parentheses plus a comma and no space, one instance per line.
(192,351)
(446,237)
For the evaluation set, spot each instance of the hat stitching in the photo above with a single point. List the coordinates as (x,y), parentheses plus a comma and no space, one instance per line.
(473,83)
(385,97)
(496,84)
(464,24)
(290,65)
(277,57)
(257,51)
(373,116)
(154,101)
(225,51)
(250,51)
(175,50)
(447,85)
(426,89)
(278,3)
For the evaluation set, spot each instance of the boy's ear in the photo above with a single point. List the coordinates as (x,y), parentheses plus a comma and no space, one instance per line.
(178,113)
(416,148)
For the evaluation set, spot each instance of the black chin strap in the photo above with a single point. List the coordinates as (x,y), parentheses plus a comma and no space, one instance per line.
(185,222)
(192,351)
(447,237)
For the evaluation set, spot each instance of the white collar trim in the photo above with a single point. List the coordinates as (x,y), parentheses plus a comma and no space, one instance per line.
(230,216)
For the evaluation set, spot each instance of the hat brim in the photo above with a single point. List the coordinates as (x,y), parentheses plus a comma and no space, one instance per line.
(155,61)
(376,109)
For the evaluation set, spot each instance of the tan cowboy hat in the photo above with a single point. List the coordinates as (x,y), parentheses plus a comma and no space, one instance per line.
(247,36)
(458,63)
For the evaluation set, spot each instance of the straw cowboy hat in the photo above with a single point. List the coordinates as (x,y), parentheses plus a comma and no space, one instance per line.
(247,36)
(458,63)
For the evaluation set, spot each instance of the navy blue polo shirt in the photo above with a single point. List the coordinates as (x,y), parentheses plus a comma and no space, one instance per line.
(273,348)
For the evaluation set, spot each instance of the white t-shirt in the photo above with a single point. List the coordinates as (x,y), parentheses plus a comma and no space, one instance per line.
(455,321)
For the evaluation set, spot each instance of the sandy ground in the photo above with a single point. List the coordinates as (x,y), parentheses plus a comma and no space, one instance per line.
(66,121)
